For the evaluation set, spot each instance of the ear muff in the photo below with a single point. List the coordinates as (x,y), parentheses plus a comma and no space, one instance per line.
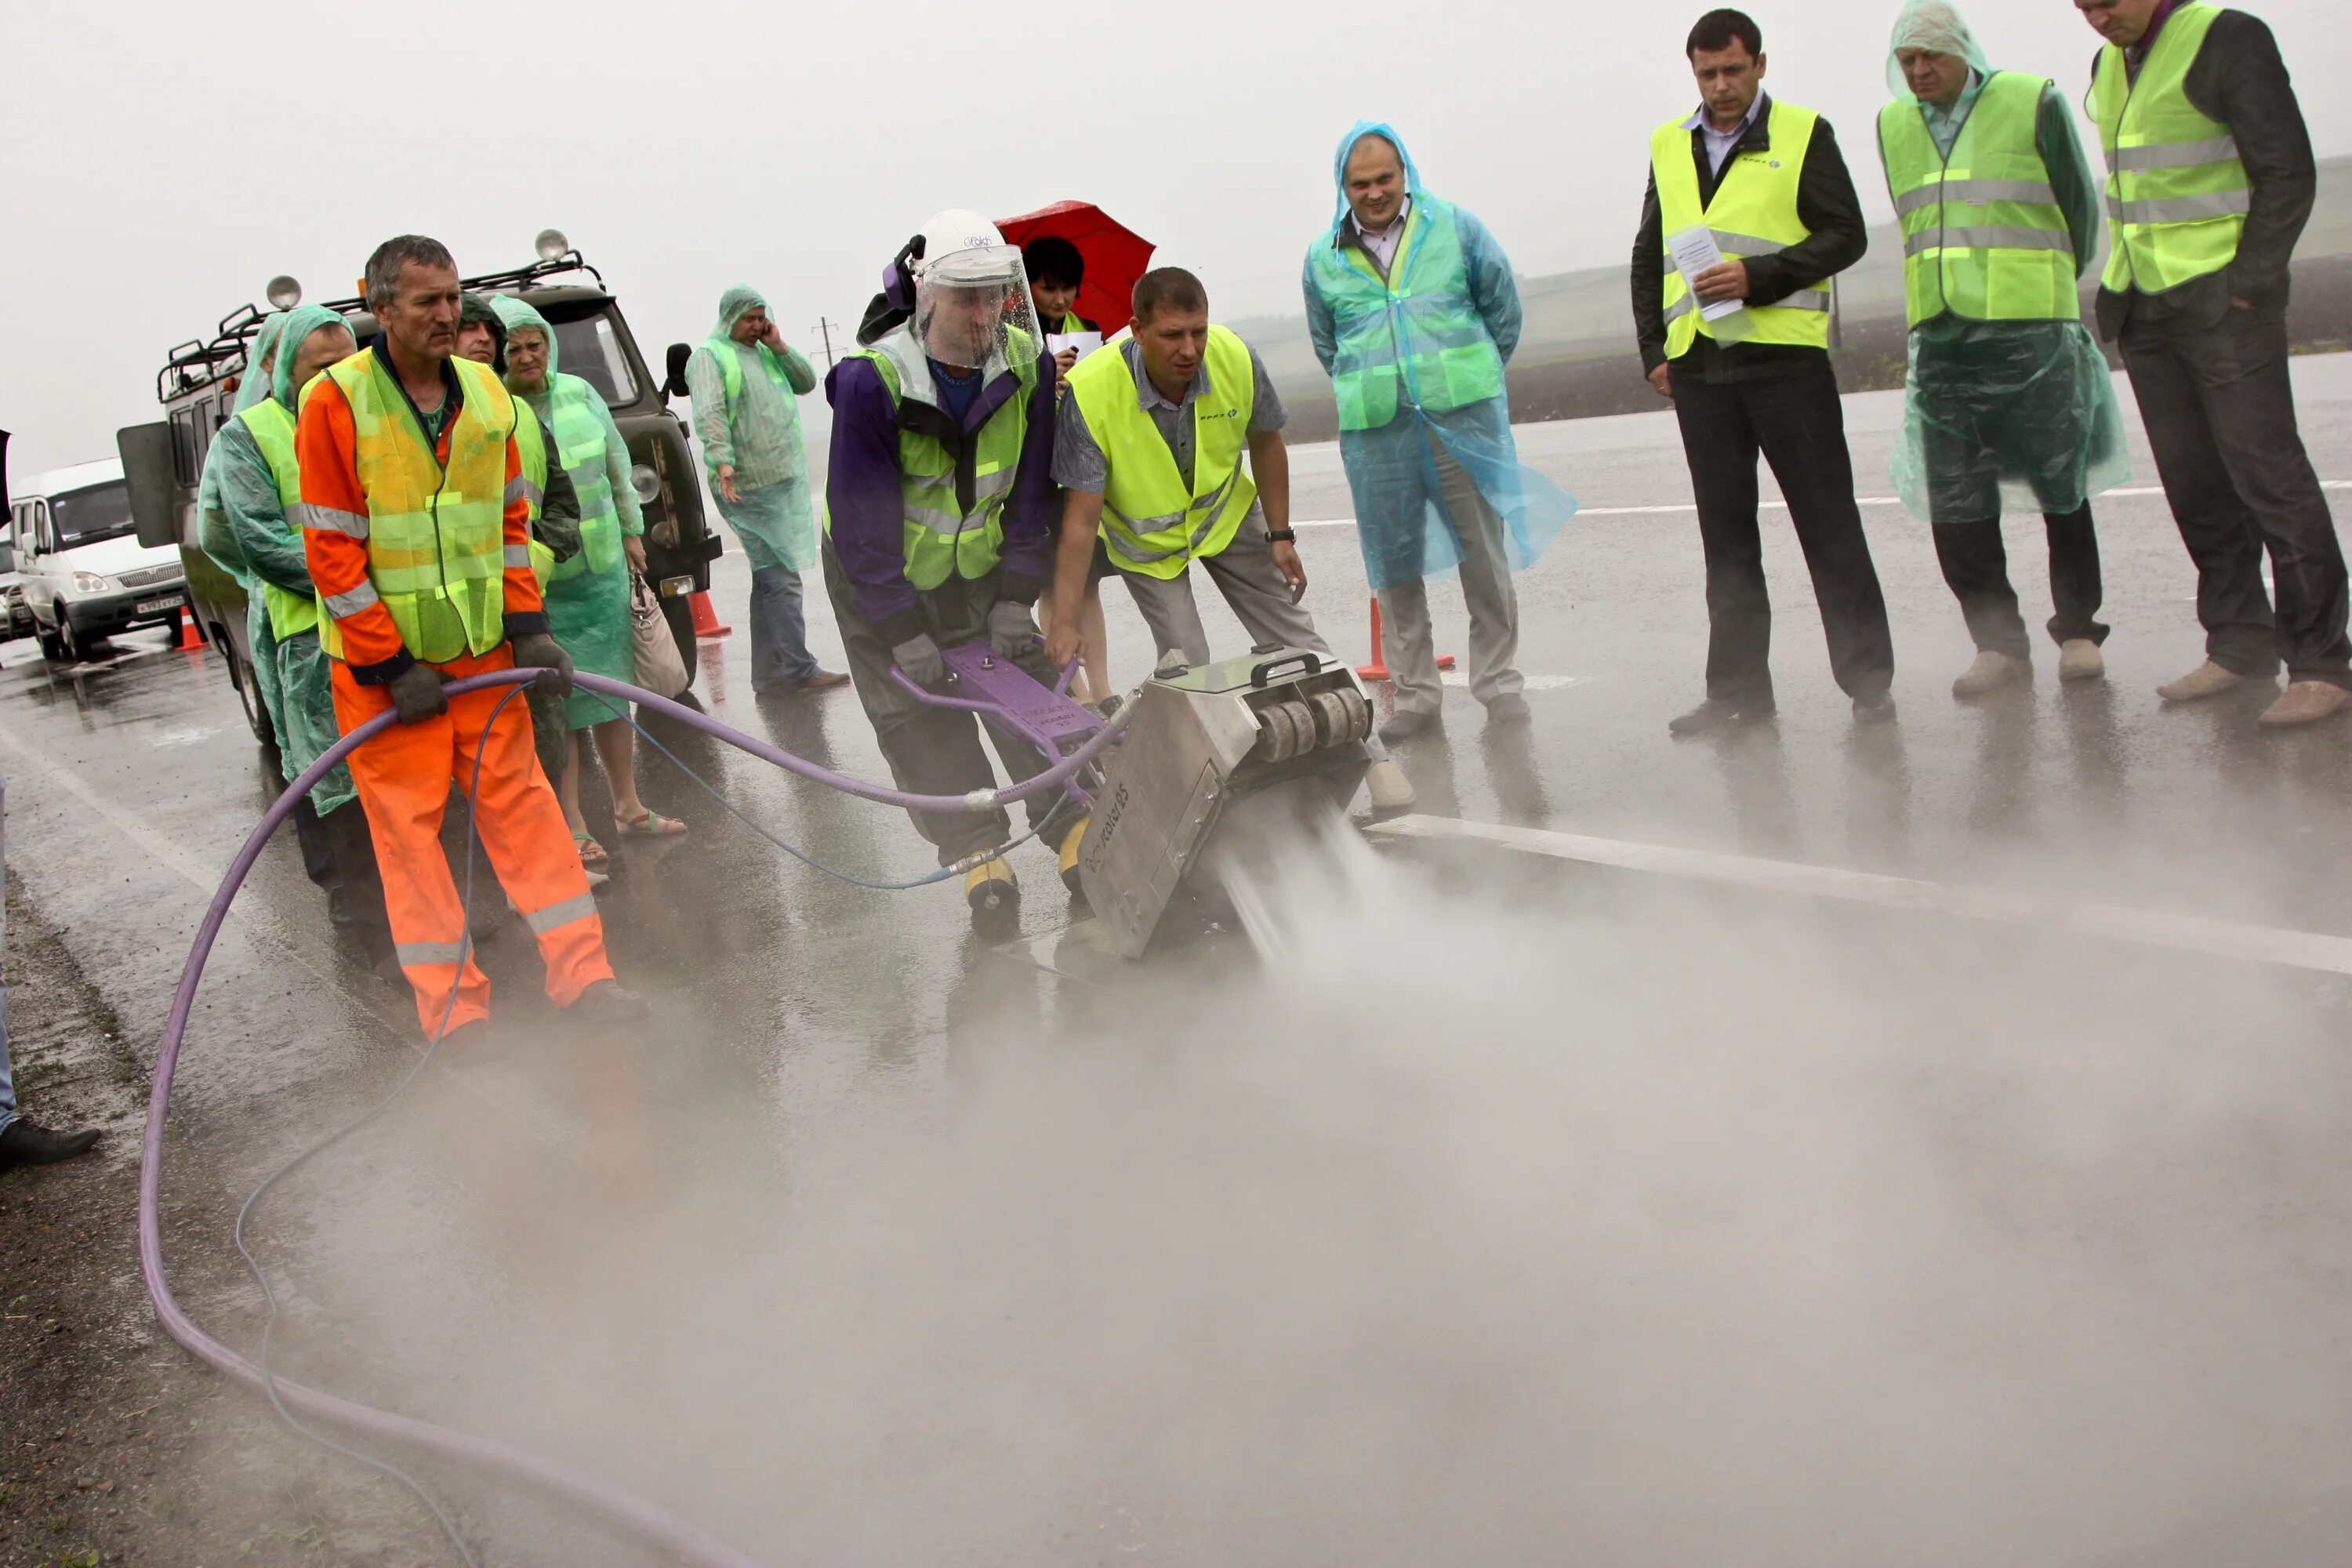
(898,278)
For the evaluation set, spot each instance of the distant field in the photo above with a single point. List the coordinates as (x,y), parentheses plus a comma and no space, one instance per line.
(1577,360)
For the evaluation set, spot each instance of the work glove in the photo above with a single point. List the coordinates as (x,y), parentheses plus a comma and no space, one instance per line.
(416,694)
(1011,629)
(555,665)
(918,658)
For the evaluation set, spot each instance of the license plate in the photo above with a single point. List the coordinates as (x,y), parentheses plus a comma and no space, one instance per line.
(154,606)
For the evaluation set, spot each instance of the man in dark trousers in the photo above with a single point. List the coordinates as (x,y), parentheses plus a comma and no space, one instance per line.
(2210,180)
(1742,348)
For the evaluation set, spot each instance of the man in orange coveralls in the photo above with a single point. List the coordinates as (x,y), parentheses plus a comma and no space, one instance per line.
(414,516)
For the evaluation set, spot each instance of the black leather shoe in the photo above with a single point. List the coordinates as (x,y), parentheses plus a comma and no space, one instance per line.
(1405,726)
(23,1143)
(1873,708)
(1721,714)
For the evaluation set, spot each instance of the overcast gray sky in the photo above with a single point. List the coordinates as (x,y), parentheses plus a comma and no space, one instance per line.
(164,161)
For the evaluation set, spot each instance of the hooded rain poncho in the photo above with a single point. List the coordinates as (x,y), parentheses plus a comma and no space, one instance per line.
(2019,414)
(758,433)
(271,548)
(587,610)
(1402,524)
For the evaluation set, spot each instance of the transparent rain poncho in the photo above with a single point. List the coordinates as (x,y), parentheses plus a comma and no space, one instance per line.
(756,432)
(587,610)
(1403,526)
(2007,415)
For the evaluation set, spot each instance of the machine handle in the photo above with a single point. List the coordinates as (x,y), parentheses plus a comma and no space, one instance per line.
(1258,676)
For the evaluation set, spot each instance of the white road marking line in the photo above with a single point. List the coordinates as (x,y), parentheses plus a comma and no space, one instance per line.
(1534,682)
(2183,933)
(1779,505)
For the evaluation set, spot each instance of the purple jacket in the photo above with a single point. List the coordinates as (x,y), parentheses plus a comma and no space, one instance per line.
(867,511)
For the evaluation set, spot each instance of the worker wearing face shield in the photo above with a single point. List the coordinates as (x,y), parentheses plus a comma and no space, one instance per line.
(936,505)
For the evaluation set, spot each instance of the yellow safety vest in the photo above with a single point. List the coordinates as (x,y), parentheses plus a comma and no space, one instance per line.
(273,431)
(436,534)
(1754,212)
(1153,523)
(1983,236)
(532,451)
(2176,194)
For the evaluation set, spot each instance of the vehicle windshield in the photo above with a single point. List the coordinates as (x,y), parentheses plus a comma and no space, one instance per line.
(85,517)
(590,349)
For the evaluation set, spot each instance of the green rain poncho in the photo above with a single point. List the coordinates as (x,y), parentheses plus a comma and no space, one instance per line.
(588,597)
(272,551)
(215,537)
(757,431)
(2019,414)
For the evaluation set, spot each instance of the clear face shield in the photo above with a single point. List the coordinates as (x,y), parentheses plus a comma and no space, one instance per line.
(972,309)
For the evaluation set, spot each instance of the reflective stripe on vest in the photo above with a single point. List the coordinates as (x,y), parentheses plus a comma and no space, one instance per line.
(436,532)
(579,446)
(1414,338)
(531,449)
(1754,212)
(273,431)
(940,539)
(1983,236)
(1152,522)
(2177,196)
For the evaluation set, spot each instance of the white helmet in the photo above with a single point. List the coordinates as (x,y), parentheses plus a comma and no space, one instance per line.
(961,247)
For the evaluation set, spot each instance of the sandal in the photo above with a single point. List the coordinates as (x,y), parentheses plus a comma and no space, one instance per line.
(591,852)
(652,825)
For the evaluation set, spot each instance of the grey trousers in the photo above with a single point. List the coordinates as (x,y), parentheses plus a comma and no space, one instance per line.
(1407,642)
(1245,573)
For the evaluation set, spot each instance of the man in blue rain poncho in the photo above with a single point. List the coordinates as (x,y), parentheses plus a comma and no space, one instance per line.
(1413,311)
(2006,393)
(743,380)
(587,596)
(257,482)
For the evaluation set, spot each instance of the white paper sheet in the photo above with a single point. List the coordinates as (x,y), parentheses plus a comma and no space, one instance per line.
(1084,342)
(1694,250)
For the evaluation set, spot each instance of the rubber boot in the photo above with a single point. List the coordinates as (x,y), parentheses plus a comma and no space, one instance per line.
(994,897)
(1072,842)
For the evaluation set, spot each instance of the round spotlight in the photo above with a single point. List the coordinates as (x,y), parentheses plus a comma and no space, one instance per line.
(645,481)
(283,293)
(551,244)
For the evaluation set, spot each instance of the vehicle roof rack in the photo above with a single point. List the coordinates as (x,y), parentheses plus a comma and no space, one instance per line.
(197,364)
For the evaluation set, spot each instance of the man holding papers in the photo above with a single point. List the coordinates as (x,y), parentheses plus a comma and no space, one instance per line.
(1749,213)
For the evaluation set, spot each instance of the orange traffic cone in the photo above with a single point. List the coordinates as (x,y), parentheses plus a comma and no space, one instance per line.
(706,619)
(189,638)
(1379,670)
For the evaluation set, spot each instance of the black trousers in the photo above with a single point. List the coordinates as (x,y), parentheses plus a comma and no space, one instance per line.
(1796,422)
(937,751)
(2220,413)
(1976,566)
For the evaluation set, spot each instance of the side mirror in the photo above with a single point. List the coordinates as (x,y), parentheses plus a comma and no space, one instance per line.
(679,354)
(147,471)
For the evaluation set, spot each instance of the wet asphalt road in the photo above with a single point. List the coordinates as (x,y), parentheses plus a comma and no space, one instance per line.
(808,1024)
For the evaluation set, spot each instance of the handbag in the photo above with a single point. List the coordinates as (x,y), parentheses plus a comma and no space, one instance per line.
(660,670)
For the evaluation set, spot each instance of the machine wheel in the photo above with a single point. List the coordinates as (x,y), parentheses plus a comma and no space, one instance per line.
(240,679)
(71,647)
(52,648)
(681,615)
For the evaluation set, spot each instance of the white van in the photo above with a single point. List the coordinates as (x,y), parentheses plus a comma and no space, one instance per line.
(80,565)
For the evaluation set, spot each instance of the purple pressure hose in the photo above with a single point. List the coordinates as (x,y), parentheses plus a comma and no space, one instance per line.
(550,1476)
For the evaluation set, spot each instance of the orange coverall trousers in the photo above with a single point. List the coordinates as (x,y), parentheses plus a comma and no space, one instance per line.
(404,777)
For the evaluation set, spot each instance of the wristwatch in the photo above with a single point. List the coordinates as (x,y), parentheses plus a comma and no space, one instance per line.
(1280,536)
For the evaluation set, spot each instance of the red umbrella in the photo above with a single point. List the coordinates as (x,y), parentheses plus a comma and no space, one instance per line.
(1115,255)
